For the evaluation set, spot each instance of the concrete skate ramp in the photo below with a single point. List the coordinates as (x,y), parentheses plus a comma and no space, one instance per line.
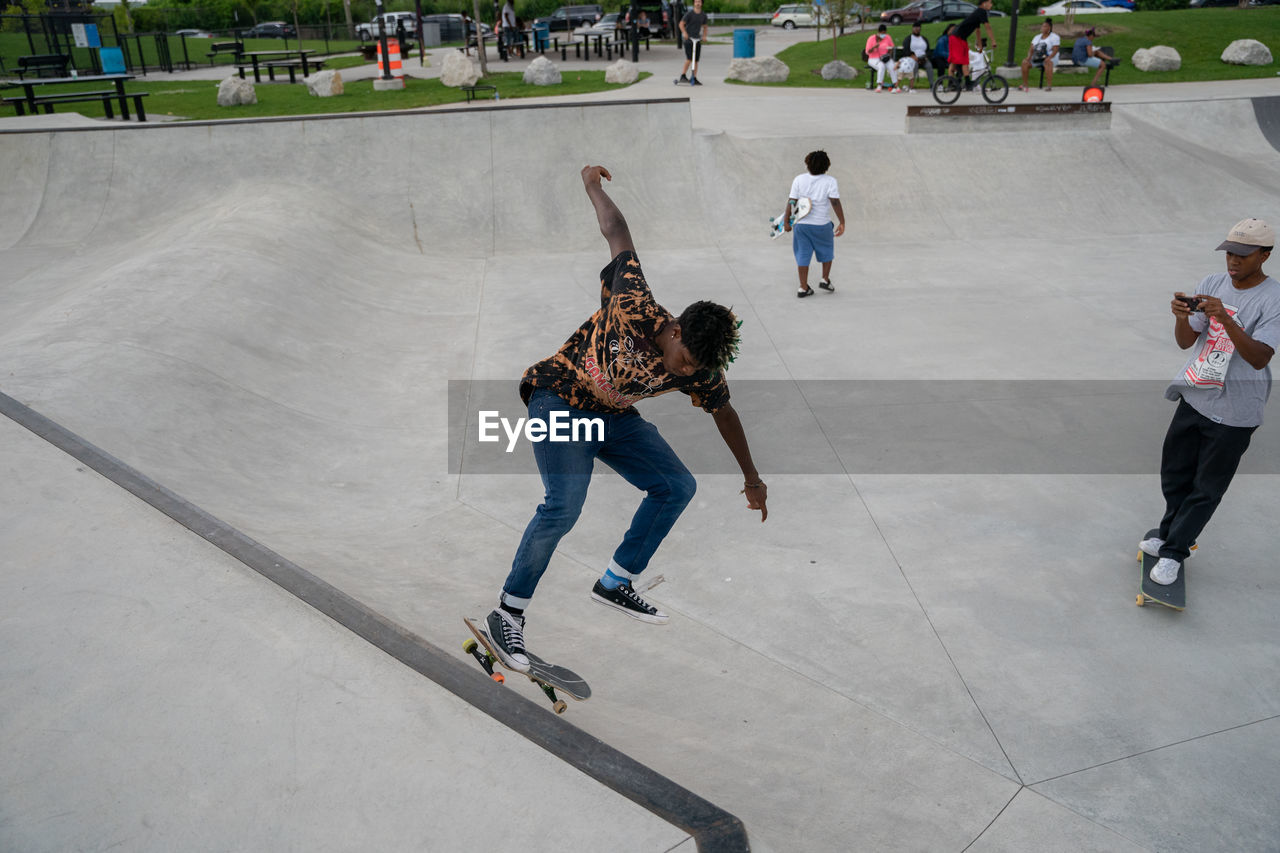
(264,316)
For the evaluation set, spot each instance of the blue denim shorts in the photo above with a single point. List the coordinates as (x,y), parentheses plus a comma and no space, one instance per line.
(810,240)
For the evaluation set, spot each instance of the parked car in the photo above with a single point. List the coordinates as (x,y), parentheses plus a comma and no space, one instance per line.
(604,27)
(1078,7)
(927,11)
(271,30)
(568,18)
(194,34)
(794,15)
(369,31)
(855,14)
(654,17)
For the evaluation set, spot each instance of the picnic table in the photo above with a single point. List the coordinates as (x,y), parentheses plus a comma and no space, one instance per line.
(31,100)
(291,60)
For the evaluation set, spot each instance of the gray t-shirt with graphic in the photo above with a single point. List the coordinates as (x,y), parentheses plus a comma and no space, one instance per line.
(1216,381)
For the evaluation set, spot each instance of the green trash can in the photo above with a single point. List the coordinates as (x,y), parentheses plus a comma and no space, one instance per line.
(744,44)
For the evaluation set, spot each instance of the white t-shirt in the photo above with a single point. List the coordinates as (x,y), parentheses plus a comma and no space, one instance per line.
(508,15)
(819,189)
(916,44)
(1051,41)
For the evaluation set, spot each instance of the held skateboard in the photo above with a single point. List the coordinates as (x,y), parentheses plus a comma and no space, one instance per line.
(693,72)
(776,226)
(1174,595)
(547,676)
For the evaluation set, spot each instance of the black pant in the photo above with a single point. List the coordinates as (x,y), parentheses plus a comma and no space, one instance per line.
(1199,459)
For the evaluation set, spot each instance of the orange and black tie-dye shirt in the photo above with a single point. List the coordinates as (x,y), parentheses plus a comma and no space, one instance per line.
(613,359)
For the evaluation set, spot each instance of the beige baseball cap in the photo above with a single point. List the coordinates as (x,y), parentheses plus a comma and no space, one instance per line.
(1247,236)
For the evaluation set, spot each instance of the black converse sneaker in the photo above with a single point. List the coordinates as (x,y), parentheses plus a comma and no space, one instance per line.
(507,633)
(624,598)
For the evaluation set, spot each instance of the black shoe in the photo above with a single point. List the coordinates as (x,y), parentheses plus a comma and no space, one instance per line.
(684,78)
(624,598)
(693,81)
(507,633)
(827,286)
(804,291)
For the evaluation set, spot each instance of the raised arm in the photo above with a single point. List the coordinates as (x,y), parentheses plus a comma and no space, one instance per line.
(612,224)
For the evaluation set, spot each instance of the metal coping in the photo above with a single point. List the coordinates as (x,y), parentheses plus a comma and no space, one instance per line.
(419,111)
(713,829)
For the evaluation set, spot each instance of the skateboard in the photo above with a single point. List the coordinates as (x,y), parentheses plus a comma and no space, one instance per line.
(776,226)
(693,72)
(547,676)
(1174,595)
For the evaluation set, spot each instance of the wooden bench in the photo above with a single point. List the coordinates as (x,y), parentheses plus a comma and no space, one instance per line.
(220,47)
(1065,61)
(44,65)
(471,91)
(106,96)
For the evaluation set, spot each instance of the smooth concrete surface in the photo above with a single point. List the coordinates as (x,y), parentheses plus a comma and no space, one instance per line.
(264,317)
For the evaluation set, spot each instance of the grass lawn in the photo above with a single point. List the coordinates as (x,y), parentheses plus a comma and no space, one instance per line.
(1199,35)
(197,99)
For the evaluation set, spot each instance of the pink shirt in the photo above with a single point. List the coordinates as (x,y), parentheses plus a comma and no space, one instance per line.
(877,47)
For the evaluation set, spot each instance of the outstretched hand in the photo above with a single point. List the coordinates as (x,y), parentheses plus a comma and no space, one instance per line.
(757,497)
(591,175)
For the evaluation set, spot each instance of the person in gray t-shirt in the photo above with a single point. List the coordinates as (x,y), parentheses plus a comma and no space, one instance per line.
(1232,326)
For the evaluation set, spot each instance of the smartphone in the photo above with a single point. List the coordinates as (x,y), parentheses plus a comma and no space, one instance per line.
(1191,302)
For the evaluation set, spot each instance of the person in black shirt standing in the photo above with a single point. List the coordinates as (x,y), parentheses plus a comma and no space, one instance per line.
(960,38)
(693,28)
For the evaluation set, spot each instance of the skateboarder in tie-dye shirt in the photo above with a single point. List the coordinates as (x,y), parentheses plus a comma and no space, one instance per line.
(631,348)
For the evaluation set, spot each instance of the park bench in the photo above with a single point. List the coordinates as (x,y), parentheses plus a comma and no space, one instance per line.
(471,91)
(218,48)
(44,65)
(1066,62)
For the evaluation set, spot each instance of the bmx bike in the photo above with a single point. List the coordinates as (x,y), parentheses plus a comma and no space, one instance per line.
(947,88)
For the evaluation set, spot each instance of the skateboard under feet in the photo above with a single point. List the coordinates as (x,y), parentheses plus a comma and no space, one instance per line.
(548,676)
(1174,595)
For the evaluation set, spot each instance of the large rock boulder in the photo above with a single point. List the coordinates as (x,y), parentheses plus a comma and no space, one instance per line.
(1247,52)
(458,70)
(766,69)
(542,72)
(838,69)
(622,71)
(1158,58)
(234,92)
(324,84)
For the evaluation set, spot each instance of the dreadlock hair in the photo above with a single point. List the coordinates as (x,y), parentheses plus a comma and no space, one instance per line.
(817,162)
(710,331)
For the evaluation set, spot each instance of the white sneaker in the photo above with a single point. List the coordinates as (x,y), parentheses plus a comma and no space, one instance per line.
(1151,547)
(879,88)
(895,90)
(1165,571)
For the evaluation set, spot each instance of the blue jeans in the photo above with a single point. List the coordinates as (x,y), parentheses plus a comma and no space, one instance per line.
(632,447)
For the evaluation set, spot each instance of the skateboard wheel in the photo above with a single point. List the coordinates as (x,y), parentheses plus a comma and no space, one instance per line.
(559,706)
(497,676)
(1142,600)
(468,646)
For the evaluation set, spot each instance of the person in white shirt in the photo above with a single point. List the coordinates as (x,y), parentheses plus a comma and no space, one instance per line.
(918,49)
(1043,52)
(814,235)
